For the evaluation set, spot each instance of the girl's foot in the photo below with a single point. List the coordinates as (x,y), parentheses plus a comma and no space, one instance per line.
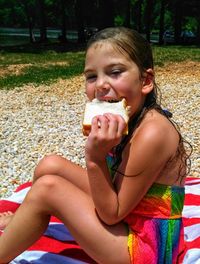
(5,218)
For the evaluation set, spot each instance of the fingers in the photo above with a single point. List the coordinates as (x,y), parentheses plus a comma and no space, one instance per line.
(116,123)
(108,124)
(106,132)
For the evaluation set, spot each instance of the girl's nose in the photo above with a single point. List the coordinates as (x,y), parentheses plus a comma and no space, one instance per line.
(102,84)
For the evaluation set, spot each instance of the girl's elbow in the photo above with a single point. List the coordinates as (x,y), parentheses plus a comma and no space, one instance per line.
(110,219)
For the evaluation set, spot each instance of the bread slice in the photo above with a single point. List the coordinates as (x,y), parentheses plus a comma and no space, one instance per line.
(96,107)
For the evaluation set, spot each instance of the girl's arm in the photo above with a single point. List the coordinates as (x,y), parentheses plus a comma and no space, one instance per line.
(143,159)
(106,132)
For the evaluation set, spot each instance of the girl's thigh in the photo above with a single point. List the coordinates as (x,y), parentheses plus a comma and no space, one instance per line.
(106,244)
(57,165)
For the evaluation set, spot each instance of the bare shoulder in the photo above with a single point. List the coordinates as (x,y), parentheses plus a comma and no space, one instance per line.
(153,144)
(158,132)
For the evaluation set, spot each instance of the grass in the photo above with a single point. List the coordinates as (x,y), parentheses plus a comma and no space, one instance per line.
(166,54)
(38,66)
(46,64)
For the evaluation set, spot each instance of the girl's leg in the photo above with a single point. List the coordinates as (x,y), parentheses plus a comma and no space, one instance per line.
(55,195)
(57,165)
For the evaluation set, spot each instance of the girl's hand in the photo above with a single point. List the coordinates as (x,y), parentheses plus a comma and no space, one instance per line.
(106,132)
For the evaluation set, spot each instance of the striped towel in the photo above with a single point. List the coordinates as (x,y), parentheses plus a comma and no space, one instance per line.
(58,246)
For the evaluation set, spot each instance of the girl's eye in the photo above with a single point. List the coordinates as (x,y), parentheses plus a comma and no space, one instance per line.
(91,78)
(115,72)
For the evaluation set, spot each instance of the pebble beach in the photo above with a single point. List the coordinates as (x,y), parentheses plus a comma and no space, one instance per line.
(37,121)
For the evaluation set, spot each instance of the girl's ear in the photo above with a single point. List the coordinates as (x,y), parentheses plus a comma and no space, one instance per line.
(148,82)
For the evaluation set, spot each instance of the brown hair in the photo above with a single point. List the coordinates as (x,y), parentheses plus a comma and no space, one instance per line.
(130,43)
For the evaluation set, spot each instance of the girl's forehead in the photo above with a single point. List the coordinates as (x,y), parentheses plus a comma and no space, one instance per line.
(107,47)
(104,46)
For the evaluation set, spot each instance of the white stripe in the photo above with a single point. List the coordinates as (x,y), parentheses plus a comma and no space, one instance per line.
(193,181)
(192,256)
(17,197)
(191,232)
(190,211)
(41,257)
(192,189)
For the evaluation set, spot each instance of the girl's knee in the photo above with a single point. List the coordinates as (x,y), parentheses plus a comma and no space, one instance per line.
(48,165)
(43,187)
(40,194)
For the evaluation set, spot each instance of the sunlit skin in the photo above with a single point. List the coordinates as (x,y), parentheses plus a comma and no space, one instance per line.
(89,194)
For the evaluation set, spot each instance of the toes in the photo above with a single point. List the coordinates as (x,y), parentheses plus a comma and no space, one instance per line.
(5,218)
(8,213)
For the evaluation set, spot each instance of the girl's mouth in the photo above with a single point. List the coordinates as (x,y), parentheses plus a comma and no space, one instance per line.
(110,100)
(113,101)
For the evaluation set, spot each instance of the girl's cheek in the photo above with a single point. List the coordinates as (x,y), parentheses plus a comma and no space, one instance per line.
(90,92)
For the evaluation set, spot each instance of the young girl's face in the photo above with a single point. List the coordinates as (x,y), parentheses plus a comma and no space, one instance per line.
(111,76)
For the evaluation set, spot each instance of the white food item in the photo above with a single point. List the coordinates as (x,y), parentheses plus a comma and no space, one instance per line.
(96,107)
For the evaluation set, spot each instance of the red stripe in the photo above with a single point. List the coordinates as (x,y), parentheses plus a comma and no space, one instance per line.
(55,219)
(51,245)
(192,199)
(8,206)
(68,249)
(193,180)
(23,186)
(189,178)
(190,221)
(193,244)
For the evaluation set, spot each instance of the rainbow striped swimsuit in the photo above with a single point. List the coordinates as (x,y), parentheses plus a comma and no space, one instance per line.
(156,226)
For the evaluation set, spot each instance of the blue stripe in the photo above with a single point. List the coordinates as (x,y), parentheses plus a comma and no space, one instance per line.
(41,257)
(59,232)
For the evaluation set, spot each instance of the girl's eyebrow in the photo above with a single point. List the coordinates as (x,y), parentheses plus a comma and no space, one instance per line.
(107,66)
(87,71)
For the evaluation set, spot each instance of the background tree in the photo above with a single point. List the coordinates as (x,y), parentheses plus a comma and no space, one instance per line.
(63,4)
(79,10)
(162,20)
(29,10)
(105,13)
(40,5)
(138,14)
(146,16)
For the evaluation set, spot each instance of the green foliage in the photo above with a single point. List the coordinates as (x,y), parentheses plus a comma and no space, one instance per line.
(190,24)
(119,21)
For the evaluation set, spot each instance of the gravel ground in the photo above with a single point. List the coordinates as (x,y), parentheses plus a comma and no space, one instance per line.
(35,121)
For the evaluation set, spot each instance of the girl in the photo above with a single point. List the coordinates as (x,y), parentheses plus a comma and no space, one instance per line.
(130,200)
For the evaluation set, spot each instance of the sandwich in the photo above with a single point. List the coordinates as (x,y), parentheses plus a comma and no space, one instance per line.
(96,107)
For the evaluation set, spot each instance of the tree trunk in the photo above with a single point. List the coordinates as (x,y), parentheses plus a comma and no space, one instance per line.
(29,15)
(63,27)
(105,14)
(138,15)
(178,13)
(42,20)
(162,16)
(128,15)
(198,31)
(80,20)
(148,18)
